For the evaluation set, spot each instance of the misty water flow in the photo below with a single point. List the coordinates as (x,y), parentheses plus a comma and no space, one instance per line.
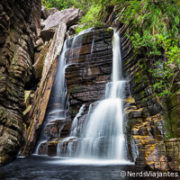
(103,134)
(56,109)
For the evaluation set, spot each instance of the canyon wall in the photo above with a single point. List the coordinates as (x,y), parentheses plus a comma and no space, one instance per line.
(147,121)
(19,27)
(29,53)
(55,26)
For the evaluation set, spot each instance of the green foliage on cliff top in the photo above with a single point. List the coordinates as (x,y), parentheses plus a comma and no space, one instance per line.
(154,34)
(154,31)
(59,4)
(91,18)
(91,9)
(84,5)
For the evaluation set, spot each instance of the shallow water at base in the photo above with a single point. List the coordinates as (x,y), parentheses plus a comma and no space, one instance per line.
(46,168)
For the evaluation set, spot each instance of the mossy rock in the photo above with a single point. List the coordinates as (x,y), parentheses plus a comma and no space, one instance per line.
(175,99)
(175,121)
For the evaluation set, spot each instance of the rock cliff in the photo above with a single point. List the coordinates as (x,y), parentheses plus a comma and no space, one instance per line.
(49,47)
(152,123)
(29,56)
(19,27)
(88,71)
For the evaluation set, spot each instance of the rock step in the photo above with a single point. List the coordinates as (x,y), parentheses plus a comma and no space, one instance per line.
(53,128)
(87,38)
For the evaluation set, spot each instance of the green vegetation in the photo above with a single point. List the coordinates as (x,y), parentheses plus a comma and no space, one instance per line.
(85,5)
(59,4)
(90,19)
(155,35)
(154,31)
(91,10)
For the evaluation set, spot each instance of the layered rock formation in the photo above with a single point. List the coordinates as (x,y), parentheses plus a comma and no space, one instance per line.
(28,50)
(19,26)
(49,46)
(88,71)
(89,59)
(68,16)
(151,121)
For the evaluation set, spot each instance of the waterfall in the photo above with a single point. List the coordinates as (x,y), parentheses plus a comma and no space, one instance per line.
(74,130)
(57,105)
(100,135)
(103,134)
(56,110)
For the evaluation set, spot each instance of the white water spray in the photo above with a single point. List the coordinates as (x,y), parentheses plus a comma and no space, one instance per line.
(56,110)
(103,134)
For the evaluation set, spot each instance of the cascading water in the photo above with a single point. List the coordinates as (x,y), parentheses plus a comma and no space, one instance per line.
(74,130)
(76,43)
(56,110)
(103,134)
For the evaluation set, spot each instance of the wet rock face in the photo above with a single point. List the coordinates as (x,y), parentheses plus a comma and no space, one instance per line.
(54,128)
(89,68)
(19,25)
(89,59)
(147,122)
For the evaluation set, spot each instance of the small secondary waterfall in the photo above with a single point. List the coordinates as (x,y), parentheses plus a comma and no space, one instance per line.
(56,110)
(103,134)
(57,105)
(74,131)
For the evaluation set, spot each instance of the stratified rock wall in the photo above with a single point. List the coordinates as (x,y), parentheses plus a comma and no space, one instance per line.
(89,61)
(19,26)
(149,118)
(48,48)
(89,69)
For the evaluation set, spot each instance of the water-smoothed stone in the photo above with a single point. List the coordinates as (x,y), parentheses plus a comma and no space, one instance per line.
(66,130)
(67,146)
(49,147)
(52,148)
(91,72)
(53,129)
(92,69)
(42,149)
